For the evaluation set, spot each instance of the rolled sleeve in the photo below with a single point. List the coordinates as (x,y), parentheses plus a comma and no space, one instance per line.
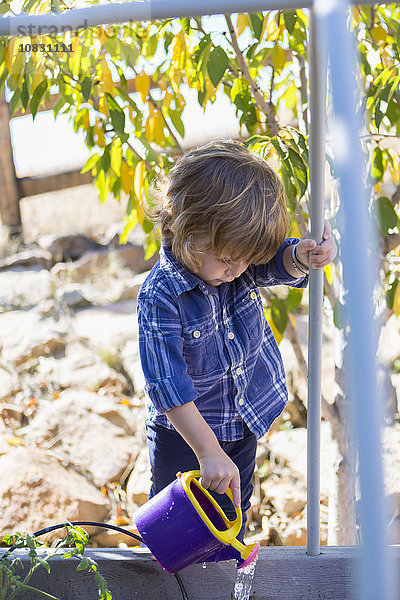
(274,273)
(160,345)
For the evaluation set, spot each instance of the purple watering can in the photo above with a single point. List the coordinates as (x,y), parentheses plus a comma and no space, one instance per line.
(183,524)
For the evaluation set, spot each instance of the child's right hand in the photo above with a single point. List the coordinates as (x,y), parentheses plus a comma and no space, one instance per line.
(218,472)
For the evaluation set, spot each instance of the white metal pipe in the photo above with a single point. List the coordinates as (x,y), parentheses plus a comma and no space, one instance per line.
(136,10)
(317,64)
(358,272)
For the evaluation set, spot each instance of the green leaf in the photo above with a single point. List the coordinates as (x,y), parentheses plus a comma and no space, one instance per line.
(339,315)
(391,293)
(279,314)
(185,22)
(293,299)
(217,64)
(256,24)
(299,170)
(37,97)
(105,160)
(377,165)
(84,564)
(290,18)
(86,87)
(117,114)
(25,93)
(240,94)
(385,215)
(175,116)
(15,101)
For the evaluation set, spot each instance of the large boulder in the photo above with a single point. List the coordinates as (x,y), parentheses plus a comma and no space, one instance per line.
(92,433)
(36,491)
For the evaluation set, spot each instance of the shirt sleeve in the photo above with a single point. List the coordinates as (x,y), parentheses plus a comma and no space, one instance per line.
(161,353)
(274,273)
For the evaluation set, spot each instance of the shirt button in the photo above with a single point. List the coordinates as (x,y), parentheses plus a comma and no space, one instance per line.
(231,335)
(240,401)
(253,295)
(196,334)
(238,371)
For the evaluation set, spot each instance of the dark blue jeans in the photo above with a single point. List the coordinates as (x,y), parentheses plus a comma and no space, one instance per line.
(169,453)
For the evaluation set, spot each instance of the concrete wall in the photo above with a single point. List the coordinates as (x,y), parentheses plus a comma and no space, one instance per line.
(282,573)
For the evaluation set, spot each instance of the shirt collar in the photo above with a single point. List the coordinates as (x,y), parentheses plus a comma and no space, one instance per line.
(184,279)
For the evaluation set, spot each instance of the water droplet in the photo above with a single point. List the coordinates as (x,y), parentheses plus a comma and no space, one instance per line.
(204,565)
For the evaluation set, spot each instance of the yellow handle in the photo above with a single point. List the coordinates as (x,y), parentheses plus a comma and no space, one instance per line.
(233,527)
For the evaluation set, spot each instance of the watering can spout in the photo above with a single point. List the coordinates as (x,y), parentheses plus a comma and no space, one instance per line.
(244,555)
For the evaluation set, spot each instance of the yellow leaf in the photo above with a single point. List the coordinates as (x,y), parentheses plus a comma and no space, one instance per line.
(138,185)
(99,134)
(395,169)
(8,54)
(265,25)
(175,78)
(167,100)
(45,7)
(329,273)
(14,440)
(178,51)
(241,23)
(127,174)
(396,301)
(378,33)
(272,31)
(210,91)
(103,37)
(106,80)
(278,57)
(142,83)
(103,105)
(277,334)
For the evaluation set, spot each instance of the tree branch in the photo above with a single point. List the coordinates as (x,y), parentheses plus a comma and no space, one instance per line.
(264,106)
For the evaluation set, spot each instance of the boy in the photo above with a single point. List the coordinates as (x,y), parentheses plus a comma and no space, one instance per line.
(214,375)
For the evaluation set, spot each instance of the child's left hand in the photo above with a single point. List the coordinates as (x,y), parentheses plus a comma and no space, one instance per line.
(316,255)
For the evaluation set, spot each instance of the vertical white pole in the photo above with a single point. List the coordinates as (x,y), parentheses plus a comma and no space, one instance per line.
(317,166)
(358,274)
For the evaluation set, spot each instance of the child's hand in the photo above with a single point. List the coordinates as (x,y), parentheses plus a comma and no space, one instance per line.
(218,472)
(316,255)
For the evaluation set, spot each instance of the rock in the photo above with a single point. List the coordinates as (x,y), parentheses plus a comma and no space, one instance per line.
(107,326)
(81,367)
(50,346)
(129,356)
(9,383)
(84,266)
(73,296)
(68,247)
(73,429)
(138,485)
(34,258)
(37,491)
(23,289)
(131,256)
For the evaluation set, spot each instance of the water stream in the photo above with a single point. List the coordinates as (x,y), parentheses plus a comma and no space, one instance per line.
(244,581)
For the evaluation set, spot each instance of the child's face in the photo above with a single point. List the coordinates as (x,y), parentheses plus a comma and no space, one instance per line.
(214,271)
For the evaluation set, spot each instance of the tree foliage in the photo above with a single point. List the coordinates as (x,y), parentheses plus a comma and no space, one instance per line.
(259,61)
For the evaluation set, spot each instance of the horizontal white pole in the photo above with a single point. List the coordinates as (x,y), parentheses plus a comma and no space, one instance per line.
(137,10)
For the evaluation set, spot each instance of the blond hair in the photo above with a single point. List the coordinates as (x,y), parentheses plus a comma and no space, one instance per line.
(226,196)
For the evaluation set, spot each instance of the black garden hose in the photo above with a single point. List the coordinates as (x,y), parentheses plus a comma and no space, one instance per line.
(105,526)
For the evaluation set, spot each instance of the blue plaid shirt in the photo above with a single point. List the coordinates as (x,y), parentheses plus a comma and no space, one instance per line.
(213,346)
